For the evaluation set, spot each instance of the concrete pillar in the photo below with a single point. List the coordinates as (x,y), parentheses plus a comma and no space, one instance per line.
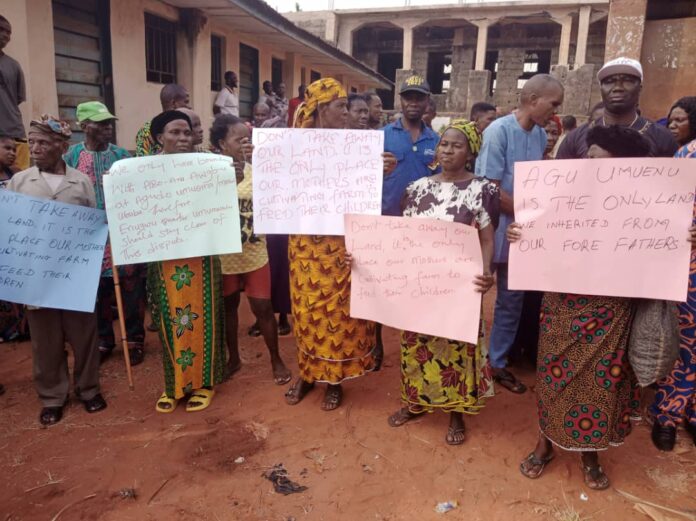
(625,27)
(408,45)
(564,47)
(583,31)
(331,22)
(481,43)
(345,31)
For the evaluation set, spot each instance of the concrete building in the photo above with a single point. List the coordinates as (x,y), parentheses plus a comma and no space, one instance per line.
(122,51)
(474,51)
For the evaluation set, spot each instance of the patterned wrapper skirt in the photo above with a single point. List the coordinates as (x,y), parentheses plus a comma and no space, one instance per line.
(675,401)
(437,373)
(331,346)
(187,306)
(586,389)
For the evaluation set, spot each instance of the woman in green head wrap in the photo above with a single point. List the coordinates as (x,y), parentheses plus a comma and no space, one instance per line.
(439,373)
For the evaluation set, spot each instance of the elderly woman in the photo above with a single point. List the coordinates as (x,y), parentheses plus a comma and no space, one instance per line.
(553,131)
(586,389)
(440,373)
(186,300)
(331,346)
(675,401)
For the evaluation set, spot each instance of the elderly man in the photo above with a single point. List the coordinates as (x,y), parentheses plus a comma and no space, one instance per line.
(227,100)
(172,97)
(51,178)
(12,94)
(196,129)
(94,157)
(519,136)
(263,118)
(620,83)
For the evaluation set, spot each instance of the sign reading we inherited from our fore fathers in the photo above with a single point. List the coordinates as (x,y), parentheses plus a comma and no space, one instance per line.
(306,180)
(172,206)
(50,252)
(615,227)
(415,274)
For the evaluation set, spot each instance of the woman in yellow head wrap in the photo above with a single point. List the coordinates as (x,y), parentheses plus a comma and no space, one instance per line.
(439,373)
(331,346)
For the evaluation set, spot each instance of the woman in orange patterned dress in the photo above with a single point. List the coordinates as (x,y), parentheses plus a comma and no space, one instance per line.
(331,346)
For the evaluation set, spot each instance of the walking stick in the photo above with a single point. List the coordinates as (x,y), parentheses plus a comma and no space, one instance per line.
(122,325)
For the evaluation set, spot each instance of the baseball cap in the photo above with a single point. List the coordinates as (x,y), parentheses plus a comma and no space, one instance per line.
(93,111)
(621,65)
(415,83)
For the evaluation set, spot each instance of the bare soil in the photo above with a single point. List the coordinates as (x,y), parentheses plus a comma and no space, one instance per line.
(131,463)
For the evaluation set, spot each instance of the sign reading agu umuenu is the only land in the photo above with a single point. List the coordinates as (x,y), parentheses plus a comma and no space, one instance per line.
(616,227)
(50,252)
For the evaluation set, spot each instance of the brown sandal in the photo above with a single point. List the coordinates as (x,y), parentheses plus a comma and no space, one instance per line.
(535,462)
(298,391)
(509,381)
(332,398)
(401,417)
(595,478)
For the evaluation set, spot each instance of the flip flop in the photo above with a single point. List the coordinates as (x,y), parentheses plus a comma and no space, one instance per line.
(536,462)
(452,433)
(509,381)
(298,391)
(595,478)
(165,404)
(200,399)
(400,417)
(333,398)
(282,380)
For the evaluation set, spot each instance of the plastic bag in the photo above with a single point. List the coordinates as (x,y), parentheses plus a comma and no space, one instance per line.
(653,345)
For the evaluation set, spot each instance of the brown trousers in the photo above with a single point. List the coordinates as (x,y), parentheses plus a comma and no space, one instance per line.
(50,329)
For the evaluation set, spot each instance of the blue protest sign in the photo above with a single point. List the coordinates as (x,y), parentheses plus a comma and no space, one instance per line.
(50,252)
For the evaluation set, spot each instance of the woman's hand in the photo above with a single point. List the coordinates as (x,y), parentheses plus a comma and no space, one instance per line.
(348,258)
(247,149)
(692,237)
(484,282)
(513,232)
(389,163)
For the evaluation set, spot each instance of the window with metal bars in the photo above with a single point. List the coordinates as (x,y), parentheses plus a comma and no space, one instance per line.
(160,49)
(217,44)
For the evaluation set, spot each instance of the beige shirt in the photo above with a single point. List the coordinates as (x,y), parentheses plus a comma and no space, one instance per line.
(228,102)
(76,187)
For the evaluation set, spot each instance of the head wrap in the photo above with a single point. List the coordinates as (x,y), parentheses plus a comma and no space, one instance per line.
(558,122)
(164,118)
(318,93)
(53,126)
(468,128)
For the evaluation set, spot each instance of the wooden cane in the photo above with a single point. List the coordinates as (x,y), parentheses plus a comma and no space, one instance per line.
(122,325)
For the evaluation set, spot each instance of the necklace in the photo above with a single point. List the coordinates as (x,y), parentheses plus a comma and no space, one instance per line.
(604,123)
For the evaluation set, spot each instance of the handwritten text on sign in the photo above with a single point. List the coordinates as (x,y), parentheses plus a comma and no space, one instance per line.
(413,274)
(305,180)
(50,252)
(172,207)
(614,227)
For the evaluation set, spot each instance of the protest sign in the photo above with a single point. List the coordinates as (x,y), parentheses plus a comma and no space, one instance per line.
(50,252)
(415,274)
(172,207)
(305,180)
(615,227)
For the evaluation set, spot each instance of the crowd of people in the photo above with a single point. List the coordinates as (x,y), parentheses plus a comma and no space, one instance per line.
(465,174)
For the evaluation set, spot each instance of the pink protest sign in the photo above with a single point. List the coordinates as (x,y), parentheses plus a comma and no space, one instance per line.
(415,274)
(615,227)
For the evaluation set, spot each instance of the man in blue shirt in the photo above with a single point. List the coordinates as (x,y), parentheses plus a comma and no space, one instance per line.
(518,136)
(411,141)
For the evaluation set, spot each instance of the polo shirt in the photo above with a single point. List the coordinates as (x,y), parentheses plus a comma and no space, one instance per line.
(414,161)
(504,143)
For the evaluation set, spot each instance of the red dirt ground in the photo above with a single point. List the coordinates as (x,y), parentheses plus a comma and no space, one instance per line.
(182,466)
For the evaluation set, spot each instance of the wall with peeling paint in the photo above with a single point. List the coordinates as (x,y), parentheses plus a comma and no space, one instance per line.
(669,61)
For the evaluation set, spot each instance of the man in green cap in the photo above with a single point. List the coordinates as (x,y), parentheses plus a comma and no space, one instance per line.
(93,157)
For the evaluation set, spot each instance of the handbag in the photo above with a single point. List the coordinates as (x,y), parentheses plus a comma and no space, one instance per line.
(653,344)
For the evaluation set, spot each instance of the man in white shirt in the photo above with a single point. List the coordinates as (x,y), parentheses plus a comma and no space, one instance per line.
(227,100)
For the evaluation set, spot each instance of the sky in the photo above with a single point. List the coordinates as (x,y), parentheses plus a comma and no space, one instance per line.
(316,5)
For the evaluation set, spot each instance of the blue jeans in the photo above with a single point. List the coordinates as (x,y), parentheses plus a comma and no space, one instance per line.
(506,319)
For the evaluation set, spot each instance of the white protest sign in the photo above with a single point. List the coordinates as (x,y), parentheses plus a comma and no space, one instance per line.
(172,206)
(306,180)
